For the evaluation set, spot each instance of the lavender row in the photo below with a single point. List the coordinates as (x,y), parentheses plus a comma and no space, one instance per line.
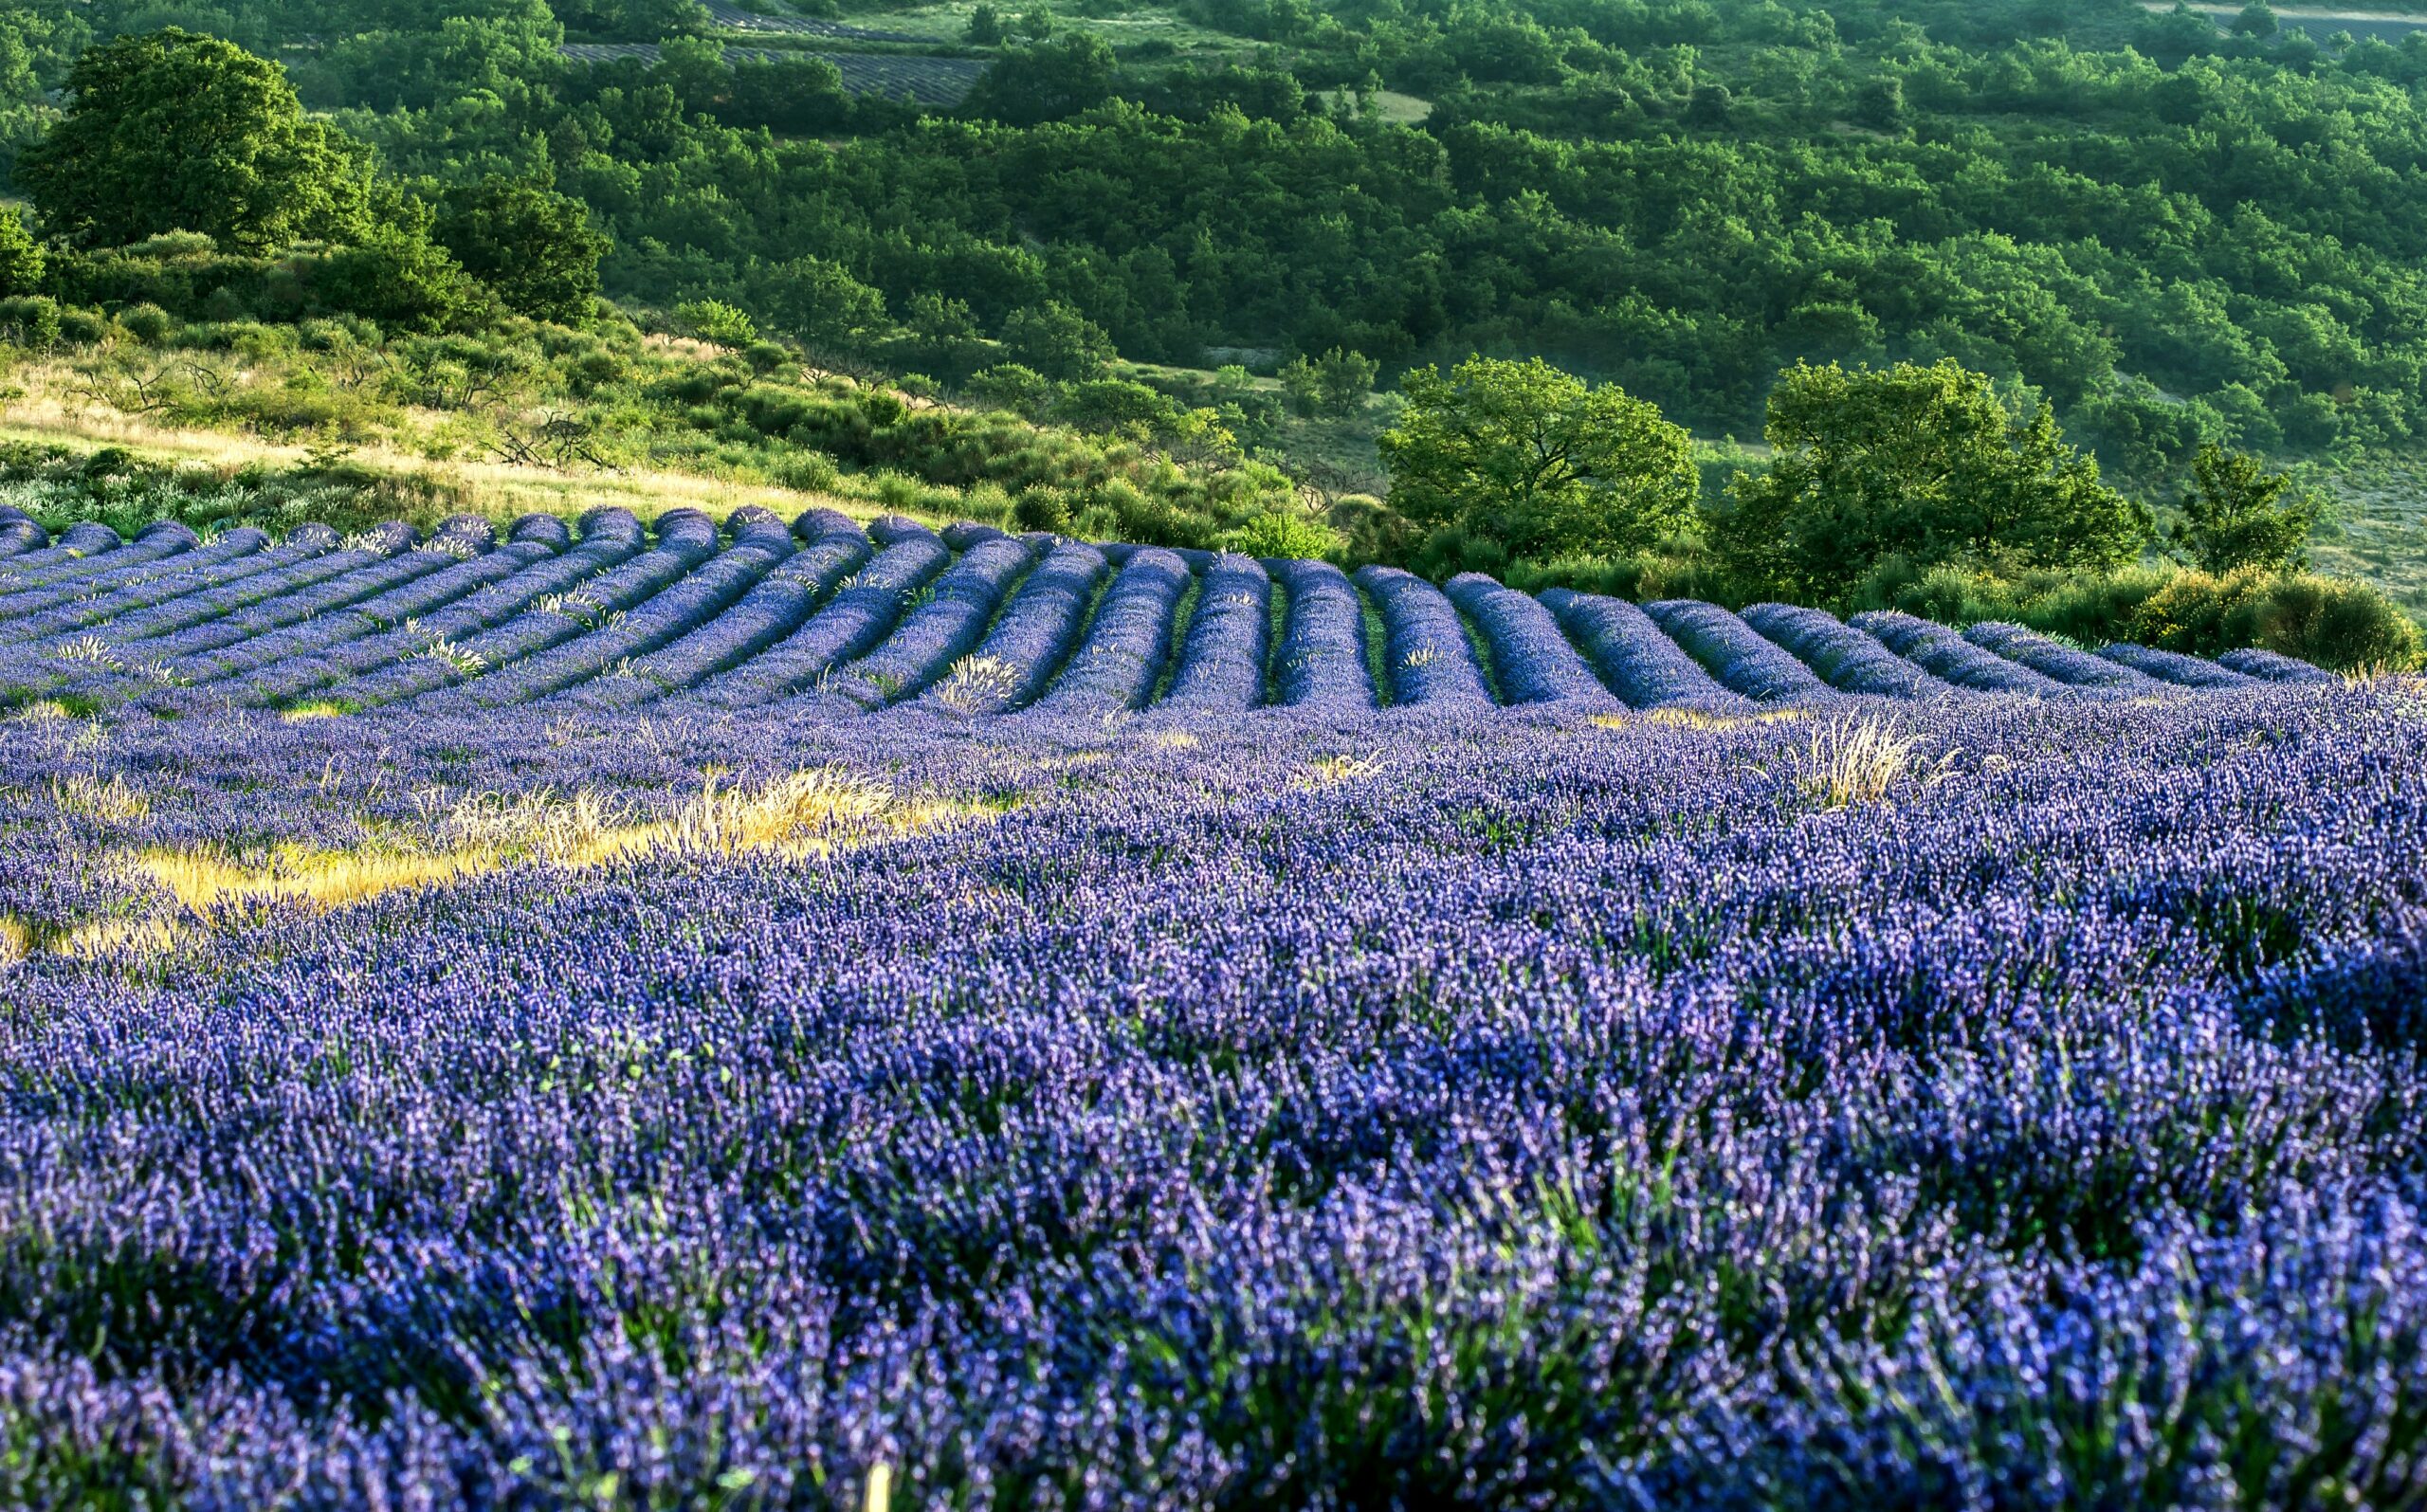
(620,633)
(1635,657)
(2270,668)
(1116,665)
(772,610)
(1222,660)
(1944,653)
(78,549)
(959,608)
(864,606)
(1320,663)
(686,538)
(43,613)
(1736,654)
(1848,657)
(1035,636)
(2063,664)
(1424,643)
(464,570)
(164,546)
(2175,668)
(609,538)
(1533,661)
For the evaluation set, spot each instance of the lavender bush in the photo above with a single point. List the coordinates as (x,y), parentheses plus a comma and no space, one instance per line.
(1639,661)
(1425,646)
(1531,659)
(1736,654)
(1848,657)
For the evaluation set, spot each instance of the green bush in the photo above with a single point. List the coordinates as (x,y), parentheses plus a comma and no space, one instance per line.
(1286,533)
(2334,623)
(149,324)
(30,320)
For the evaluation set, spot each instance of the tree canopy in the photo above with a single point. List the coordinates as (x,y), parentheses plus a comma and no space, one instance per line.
(173,130)
(1923,463)
(532,245)
(1538,458)
(2236,514)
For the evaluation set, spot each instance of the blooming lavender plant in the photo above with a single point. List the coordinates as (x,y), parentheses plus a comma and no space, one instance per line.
(1116,665)
(1027,646)
(2175,668)
(2271,666)
(1736,654)
(2075,668)
(1944,653)
(958,609)
(1425,647)
(1639,661)
(1320,663)
(1849,658)
(1533,662)
(1222,662)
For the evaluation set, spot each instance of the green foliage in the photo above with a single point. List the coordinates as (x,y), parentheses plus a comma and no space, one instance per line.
(1538,459)
(1922,464)
(1057,341)
(177,131)
(985,29)
(818,300)
(30,320)
(1286,533)
(1334,384)
(2236,514)
(714,320)
(21,256)
(1049,80)
(532,245)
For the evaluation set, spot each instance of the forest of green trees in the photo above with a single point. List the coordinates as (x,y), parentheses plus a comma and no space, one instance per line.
(2170,244)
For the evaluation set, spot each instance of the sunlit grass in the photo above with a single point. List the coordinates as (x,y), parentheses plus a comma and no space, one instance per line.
(1850,761)
(1698,719)
(803,814)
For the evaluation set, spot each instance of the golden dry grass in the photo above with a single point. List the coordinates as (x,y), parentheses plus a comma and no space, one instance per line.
(1849,761)
(803,813)
(50,411)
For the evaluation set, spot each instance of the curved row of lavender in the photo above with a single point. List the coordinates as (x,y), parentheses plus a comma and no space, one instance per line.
(968,621)
(1519,1112)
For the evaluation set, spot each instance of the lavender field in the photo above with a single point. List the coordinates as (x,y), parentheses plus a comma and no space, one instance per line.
(791,1015)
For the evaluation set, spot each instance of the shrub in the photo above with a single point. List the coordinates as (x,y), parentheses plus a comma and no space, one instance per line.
(1288,534)
(30,320)
(2333,623)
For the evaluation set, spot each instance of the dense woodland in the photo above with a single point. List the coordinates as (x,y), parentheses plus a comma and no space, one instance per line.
(2159,235)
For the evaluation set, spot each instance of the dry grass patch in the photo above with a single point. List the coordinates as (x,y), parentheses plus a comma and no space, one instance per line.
(803,813)
(1849,761)
(1698,719)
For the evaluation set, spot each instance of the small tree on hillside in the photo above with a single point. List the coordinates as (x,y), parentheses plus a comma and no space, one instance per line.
(21,256)
(1538,459)
(1924,463)
(532,244)
(177,131)
(2236,514)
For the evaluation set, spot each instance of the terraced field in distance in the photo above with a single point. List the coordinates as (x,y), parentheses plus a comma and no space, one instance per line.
(942,82)
(820,613)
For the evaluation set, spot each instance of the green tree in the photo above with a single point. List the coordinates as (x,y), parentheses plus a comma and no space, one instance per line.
(1051,81)
(985,29)
(1538,459)
(177,131)
(2236,514)
(21,256)
(1057,341)
(2257,19)
(714,320)
(532,244)
(818,300)
(1333,384)
(1924,463)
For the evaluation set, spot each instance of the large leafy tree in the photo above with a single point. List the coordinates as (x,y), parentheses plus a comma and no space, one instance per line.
(173,130)
(1927,464)
(532,244)
(1538,459)
(2236,514)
